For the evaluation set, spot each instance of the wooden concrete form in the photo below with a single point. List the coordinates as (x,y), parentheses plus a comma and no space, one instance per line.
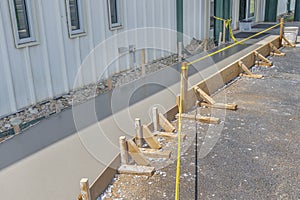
(264,61)
(136,154)
(210,102)
(209,85)
(213,83)
(143,62)
(275,51)
(84,189)
(228,106)
(288,42)
(123,150)
(165,124)
(136,170)
(248,72)
(154,153)
(155,119)
(170,135)
(184,85)
(199,118)
(150,139)
(104,179)
(138,132)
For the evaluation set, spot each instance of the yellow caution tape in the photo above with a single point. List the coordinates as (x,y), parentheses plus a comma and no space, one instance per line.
(232,45)
(227,25)
(185,67)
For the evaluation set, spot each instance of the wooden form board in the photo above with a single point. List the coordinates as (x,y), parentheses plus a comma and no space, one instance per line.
(136,170)
(136,154)
(228,73)
(150,139)
(104,179)
(214,82)
(165,124)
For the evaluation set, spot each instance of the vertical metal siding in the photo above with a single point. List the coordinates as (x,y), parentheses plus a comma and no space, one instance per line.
(282,7)
(195,20)
(49,69)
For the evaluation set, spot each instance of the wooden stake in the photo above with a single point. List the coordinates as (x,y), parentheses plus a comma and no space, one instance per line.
(136,170)
(204,96)
(262,63)
(138,132)
(288,42)
(184,85)
(277,54)
(281,31)
(248,72)
(85,189)
(150,139)
(220,39)
(136,154)
(263,58)
(165,124)
(276,50)
(109,83)
(143,62)
(170,135)
(123,150)
(208,120)
(153,153)
(155,118)
(220,106)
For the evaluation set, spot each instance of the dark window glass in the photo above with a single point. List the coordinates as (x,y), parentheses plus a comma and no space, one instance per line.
(22,19)
(74,15)
(114,11)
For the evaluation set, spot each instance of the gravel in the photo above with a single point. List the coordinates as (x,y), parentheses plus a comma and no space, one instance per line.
(256,154)
(45,109)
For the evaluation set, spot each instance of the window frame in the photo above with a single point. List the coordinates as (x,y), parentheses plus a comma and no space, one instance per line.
(82,30)
(248,9)
(32,39)
(119,24)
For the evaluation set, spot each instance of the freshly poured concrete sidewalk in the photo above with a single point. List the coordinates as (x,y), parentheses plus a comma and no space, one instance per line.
(48,160)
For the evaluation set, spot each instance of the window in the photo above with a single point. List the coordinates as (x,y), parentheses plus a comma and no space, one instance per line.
(115,14)
(22,22)
(75,17)
(251,8)
(247,9)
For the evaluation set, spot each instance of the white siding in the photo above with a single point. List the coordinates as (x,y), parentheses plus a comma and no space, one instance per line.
(196,18)
(282,7)
(36,73)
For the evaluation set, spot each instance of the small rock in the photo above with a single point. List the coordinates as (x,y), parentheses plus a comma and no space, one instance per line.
(7,126)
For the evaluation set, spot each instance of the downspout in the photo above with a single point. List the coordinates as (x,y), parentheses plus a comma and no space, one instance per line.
(179,18)
(297,11)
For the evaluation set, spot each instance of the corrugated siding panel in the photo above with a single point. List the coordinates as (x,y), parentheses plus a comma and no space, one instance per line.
(195,14)
(52,67)
(282,7)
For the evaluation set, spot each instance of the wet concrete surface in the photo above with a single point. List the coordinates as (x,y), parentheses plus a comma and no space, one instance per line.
(254,153)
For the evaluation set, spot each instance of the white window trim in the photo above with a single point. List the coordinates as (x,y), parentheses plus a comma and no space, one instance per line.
(82,31)
(32,40)
(119,25)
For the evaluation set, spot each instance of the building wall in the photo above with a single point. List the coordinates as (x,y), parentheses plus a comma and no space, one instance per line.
(196,19)
(36,73)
